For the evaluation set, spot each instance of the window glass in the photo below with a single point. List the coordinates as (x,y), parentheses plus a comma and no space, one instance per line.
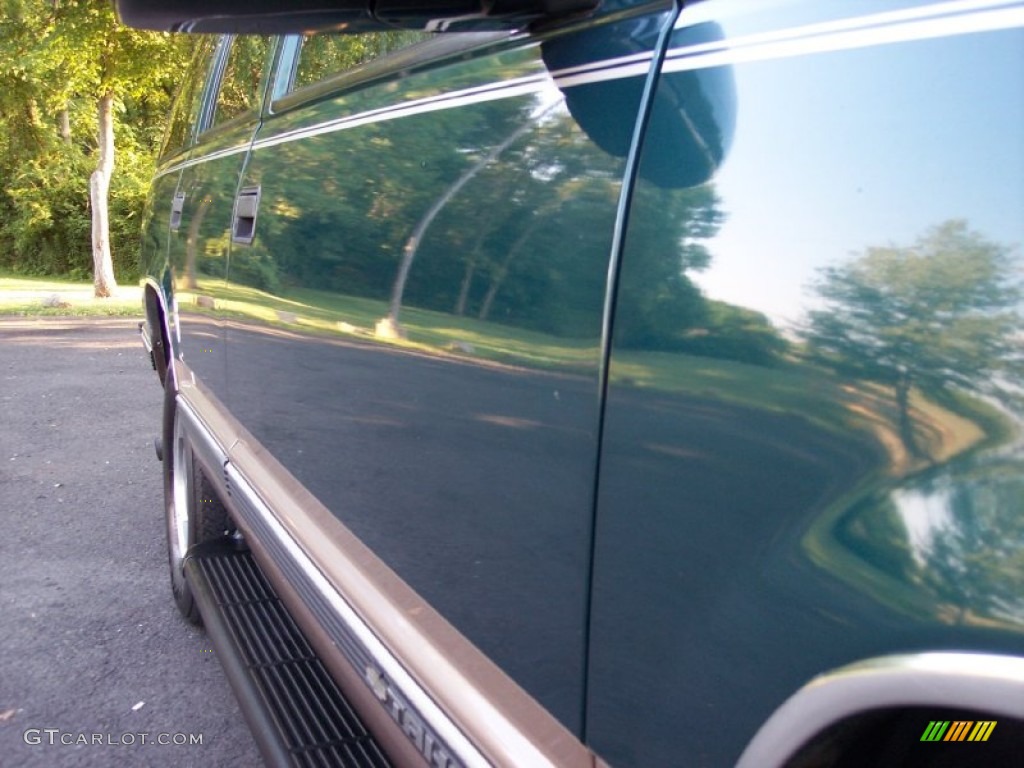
(185,112)
(324,55)
(240,86)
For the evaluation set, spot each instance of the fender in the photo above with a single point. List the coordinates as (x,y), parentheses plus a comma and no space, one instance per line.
(972,681)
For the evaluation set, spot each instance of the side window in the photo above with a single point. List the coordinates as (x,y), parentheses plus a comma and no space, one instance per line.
(185,112)
(324,55)
(243,72)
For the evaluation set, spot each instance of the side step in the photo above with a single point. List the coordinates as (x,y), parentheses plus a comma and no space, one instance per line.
(297,714)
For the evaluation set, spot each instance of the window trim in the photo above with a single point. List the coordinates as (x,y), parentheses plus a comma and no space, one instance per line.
(419,55)
(212,88)
(207,126)
(195,121)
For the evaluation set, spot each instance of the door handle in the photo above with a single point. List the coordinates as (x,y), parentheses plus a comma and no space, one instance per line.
(246,206)
(177,207)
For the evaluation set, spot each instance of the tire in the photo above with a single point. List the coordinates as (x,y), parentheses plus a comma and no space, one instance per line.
(192,509)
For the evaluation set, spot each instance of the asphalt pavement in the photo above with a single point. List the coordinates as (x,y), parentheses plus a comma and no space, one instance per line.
(96,666)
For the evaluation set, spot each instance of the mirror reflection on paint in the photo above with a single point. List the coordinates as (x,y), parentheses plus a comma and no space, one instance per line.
(811,441)
(419,317)
(524,174)
(824,441)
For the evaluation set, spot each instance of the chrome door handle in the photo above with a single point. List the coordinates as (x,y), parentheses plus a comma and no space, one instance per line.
(246,206)
(177,207)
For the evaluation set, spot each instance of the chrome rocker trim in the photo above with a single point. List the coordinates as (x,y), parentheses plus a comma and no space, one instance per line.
(430,729)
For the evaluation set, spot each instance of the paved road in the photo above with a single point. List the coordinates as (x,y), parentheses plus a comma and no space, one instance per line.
(90,641)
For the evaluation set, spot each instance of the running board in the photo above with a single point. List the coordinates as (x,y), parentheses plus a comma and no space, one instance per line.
(297,714)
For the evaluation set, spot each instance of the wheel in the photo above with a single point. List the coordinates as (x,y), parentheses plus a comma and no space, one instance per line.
(193,511)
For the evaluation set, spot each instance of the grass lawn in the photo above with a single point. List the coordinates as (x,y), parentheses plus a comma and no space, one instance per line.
(49,296)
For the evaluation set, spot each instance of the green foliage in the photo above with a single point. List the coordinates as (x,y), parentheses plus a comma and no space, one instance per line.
(659,307)
(730,332)
(941,313)
(968,557)
(59,57)
(974,561)
(240,91)
(45,220)
(128,190)
(658,304)
(46,226)
(325,55)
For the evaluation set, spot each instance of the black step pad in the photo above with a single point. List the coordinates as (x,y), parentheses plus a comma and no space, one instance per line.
(298,715)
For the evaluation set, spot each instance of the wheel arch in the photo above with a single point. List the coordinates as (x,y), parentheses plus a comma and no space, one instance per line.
(160,321)
(977,682)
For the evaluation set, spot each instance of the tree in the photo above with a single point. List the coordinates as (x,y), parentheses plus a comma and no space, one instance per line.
(68,52)
(389,326)
(940,314)
(658,304)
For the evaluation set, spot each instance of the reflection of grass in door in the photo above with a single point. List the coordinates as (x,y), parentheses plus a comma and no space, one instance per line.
(812,393)
(428,330)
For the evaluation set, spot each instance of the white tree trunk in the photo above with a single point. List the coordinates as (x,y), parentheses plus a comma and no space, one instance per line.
(99,189)
(65,126)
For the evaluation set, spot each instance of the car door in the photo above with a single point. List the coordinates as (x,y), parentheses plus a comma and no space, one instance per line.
(811,448)
(418,342)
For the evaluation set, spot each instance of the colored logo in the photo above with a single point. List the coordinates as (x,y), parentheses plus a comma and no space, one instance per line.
(958,730)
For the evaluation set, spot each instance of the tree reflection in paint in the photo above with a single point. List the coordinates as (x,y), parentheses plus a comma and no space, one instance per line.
(940,315)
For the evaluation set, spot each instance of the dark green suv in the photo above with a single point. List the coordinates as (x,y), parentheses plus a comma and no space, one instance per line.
(600,382)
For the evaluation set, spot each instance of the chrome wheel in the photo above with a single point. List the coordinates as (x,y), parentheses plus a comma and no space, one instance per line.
(179,513)
(192,508)
(179,501)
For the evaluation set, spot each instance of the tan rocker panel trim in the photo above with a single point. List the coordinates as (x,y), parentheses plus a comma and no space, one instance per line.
(461,695)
